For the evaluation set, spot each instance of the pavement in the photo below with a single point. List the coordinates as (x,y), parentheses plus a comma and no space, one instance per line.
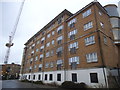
(18,84)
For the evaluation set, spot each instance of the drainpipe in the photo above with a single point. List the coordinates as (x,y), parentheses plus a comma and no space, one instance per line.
(101,51)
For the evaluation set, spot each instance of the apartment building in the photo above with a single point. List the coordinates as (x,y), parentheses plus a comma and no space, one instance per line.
(9,71)
(72,47)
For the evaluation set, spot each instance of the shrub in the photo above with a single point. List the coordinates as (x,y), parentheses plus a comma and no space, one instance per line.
(24,80)
(38,82)
(53,84)
(70,84)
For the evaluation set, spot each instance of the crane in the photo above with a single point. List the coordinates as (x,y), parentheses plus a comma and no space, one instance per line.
(11,37)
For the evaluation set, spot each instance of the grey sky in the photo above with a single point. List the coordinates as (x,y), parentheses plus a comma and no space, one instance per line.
(35,15)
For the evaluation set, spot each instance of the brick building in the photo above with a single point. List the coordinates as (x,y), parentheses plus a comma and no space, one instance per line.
(9,71)
(72,47)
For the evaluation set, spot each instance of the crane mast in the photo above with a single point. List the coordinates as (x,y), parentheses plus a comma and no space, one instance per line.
(11,37)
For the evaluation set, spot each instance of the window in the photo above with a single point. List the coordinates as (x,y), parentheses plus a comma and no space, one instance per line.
(94,77)
(36,58)
(100,13)
(32,53)
(33,76)
(72,34)
(48,36)
(52,52)
(38,42)
(53,32)
(60,20)
(59,64)
(88,26)
(101,24)
(73,61)
(58,77)
(59,39)
(47,65)
(35,67)
(41,57)
(47,54)
(59,29)
(50,77)
(52,42)
(51,26)
(59,51)
(42,40)
(51,64)
(39,77)
(31,60)
(72,47)
(71,24)
(40,67)
(30,69)
(45,76)
(91,57)
(37,50)
(48,44)
(105,40)
(41,48)
(33,46)
(29,77)
(43,33)
(30,47)
(90,40)
(87,13)
(74,77)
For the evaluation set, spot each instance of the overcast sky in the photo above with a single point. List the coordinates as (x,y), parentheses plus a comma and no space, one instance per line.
(35,15)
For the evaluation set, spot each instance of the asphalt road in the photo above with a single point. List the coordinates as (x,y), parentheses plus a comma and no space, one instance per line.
(18,84)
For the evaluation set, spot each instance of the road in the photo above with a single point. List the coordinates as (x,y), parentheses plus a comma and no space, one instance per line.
(18,84)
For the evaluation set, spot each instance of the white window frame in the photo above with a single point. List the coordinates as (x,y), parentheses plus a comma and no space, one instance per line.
(59,49)
(47,54)
(41,56)
(40,65)
(73,32)
(43,39)
(74,59)
(37,50)
(102,24)
(72,21)
(48,36)
(91,57)
(51,64)
(60,28)
(35,67)
(48,44)
(89,40)
(36,58)
(38,42)
(59,38)
(53,32)
(88,25)
(87,13)
(52,42)
(60,61)
(42,47)
(72,45)
(32,52)
(31,59)
(46,65)
(52,52)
